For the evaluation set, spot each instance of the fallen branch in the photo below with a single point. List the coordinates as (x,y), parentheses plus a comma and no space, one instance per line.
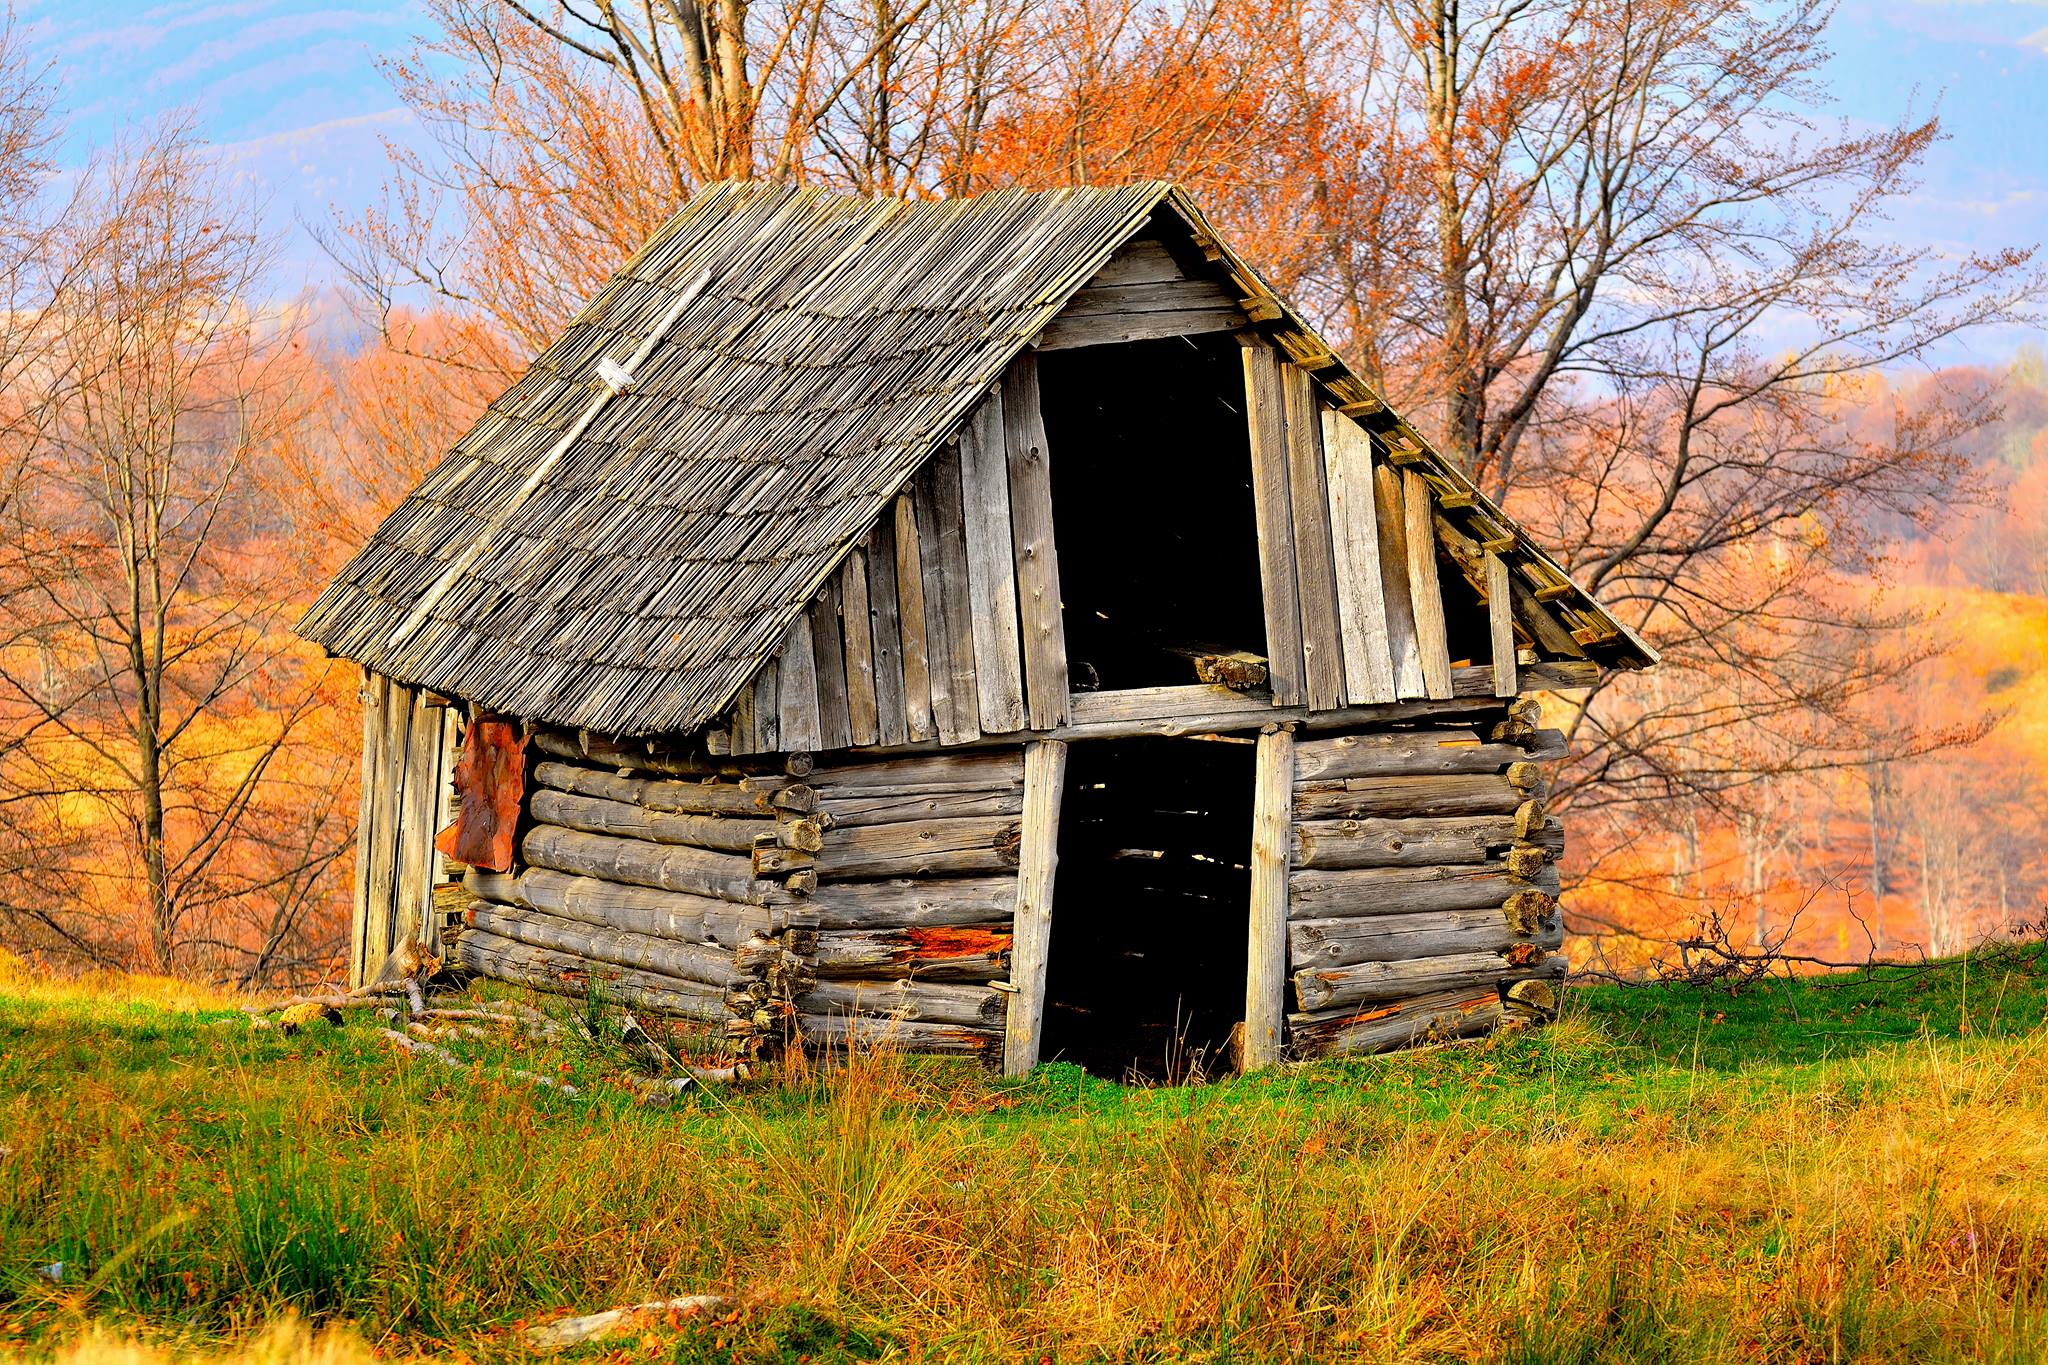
(447,1058)
(565,1332)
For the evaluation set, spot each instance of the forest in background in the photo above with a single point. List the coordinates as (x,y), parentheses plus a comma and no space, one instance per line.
(1613,255)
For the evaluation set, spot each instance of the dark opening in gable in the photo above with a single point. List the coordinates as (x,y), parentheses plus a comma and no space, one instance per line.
(1152,508)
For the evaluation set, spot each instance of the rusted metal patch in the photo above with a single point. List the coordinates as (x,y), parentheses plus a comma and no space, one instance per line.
(490,778)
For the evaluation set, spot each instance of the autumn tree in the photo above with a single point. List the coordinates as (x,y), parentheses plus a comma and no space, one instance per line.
(162,716)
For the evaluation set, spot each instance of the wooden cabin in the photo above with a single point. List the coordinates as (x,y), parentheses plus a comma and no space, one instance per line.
(993,625)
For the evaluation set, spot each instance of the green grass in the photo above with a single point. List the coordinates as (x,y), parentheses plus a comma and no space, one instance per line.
(1813,1171)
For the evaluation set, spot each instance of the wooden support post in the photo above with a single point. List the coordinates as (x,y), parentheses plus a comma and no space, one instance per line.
(1265,991)
(1045,775)
(1500,616)
(1266,411)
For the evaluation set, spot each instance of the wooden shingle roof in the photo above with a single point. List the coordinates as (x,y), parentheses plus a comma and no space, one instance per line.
(628,531)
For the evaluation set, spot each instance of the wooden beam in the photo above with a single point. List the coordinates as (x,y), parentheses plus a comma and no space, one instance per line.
(910,612)
(1425,593)
(1069,333)
(885,625)
(1389,509)
(948,611)
(1044,638)
(828,655)
(798,702)
(1315,570)
(375,691)
(1266,412)
(991,568)
(857,625)
(1045,775)
(1500,617)
(1265,991)
(1355,545)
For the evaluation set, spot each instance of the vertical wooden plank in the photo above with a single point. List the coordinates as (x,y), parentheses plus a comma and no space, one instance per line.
(1390,511)
(1265,986)
(828,656)
(991,569)
(768,707)
(444,802)
(860,648)
(887,634)
(1045,776)
(949,631)
(798,685)
(1044,635)
(373,693)
(910,613)
(384,866)
(1500,618)
(741,724)
(1425,593)
(1266,412)
(1355,547)
(1315,573)
(417,803)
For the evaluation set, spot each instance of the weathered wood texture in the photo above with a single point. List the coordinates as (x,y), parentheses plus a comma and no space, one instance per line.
(1355,545)
(572,974)
(1045,769)
(409,754)
(1266,412)
(1043,635)
(1266,974)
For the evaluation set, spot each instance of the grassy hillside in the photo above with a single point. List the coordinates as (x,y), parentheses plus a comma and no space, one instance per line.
(1829,1171)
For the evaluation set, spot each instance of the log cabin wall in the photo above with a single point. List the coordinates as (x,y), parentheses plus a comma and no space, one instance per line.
(1422,882)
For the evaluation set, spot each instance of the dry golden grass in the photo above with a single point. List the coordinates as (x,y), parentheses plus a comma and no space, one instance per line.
(1575,1195)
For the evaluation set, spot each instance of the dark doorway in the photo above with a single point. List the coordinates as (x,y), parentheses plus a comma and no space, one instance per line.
(1152,508)
(1146,969)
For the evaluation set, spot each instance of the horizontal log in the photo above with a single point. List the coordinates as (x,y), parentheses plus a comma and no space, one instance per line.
(1386,1028)
(1388,752)
(1318,988)
(630,820)
(744,797)
(924,773)
(665,759)
(905,1035)
(1427,842)
(1064,333)
(1339,893)
(943,804)
(977,952)
(667,957)
(904,904)
(672,867)
(1353,798)
(634,909)
(921,848)
(543,969)
(919,1001)
(1322,943)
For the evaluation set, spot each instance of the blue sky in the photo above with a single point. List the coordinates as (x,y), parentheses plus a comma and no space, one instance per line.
(292,92)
